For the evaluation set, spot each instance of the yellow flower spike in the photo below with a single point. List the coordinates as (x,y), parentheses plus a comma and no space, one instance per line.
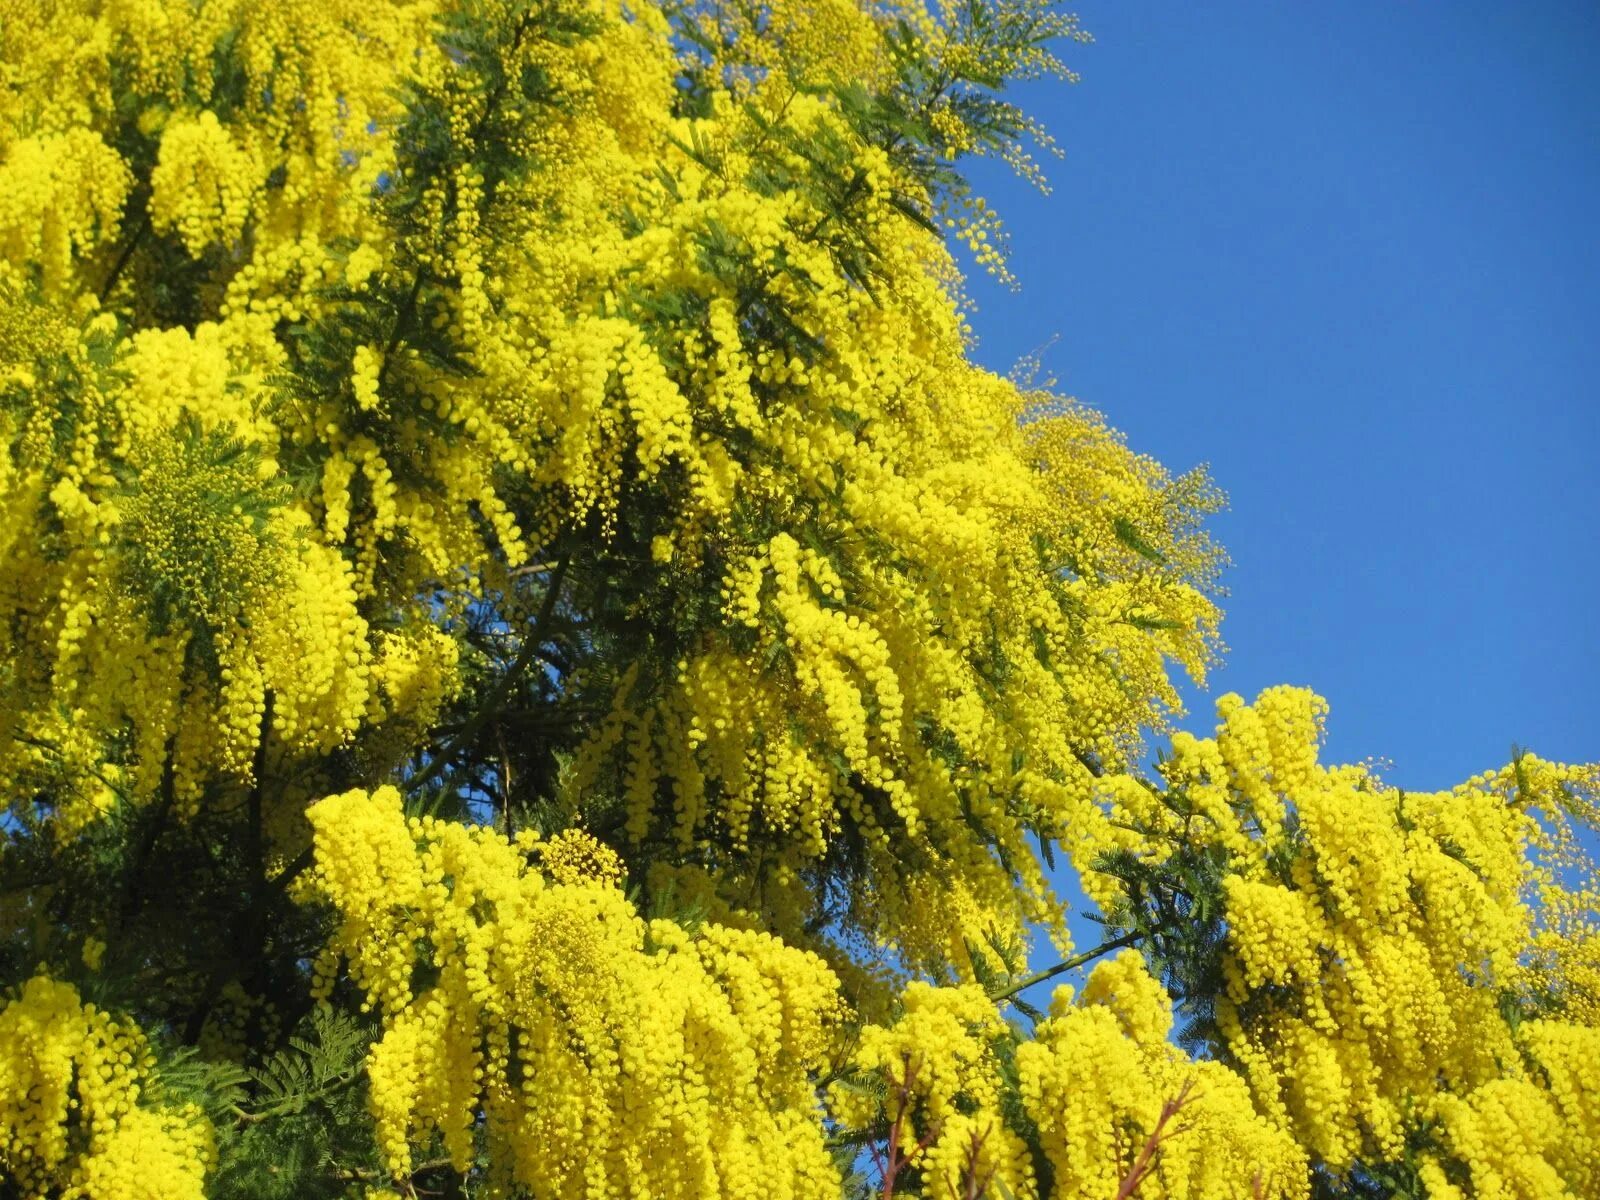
(1380,946)
(1093,1079)
(661,1056)
(327,328)
(71,1118)
(205,183)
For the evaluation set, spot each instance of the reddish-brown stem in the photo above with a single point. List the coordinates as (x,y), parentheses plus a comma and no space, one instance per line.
(974,1185)
(1143,1165)
(892,1162)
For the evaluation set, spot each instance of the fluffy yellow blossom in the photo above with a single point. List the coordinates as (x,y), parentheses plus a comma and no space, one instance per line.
(938,1068)
(1376,941)
(1092,1083)
(61,197)
(1096,1077)
(604,1053)
(73,1122)
(204,183)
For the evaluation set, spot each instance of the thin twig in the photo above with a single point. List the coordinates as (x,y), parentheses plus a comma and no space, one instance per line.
(975,1186)
(125,256)
(892,1162)
(1070,964)
(530,649)
(1158,1136)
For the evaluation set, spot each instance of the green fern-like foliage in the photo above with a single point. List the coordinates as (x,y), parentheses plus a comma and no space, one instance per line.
(296,1126)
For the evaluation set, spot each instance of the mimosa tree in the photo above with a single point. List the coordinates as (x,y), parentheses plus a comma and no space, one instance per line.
(536,665)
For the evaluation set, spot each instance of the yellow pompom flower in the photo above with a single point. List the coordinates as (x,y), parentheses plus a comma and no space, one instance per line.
(72,1120)
(1376,941)
(602,1051)
(205,182)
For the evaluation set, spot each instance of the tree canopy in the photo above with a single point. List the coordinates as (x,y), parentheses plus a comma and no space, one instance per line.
(535,663)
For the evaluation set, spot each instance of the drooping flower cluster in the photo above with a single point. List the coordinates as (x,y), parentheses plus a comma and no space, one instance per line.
(73,1119)
(1088,1088)
(1379,950)
(603,1053)
(372,312)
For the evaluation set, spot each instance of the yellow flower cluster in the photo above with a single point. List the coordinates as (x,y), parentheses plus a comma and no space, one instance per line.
(204,184)
(61,196)
(1373,938)
(1564,801)
(258,126)
(940,1066)
(158,580)
(933,611)
(574,856)
(875,702)
(1097,1076)
(1093,1082)
(604,1054)
(72,1121)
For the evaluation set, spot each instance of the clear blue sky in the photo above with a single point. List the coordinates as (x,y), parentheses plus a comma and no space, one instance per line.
(1348,254)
